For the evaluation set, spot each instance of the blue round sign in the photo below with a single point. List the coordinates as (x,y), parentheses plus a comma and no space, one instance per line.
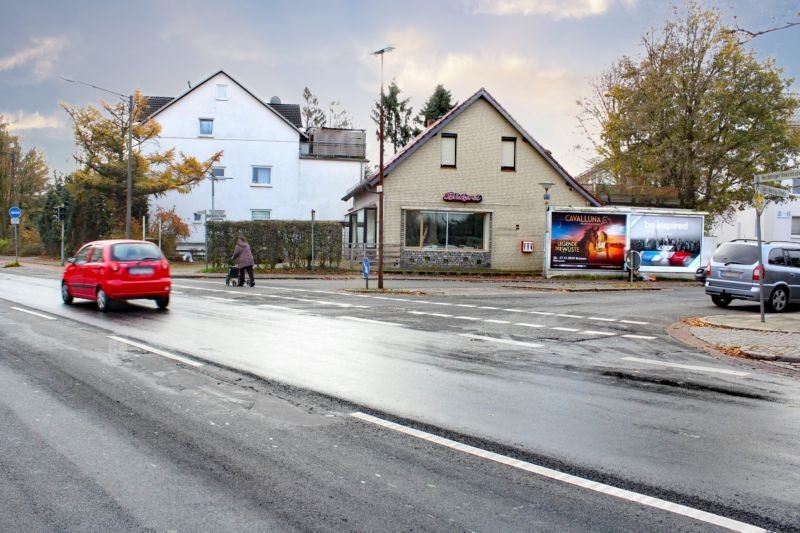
(15,212)
(365,267)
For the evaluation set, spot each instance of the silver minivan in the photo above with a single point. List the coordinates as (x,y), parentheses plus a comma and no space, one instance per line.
(733,273)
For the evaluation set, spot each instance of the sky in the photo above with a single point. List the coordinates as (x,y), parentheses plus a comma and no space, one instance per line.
(536,57)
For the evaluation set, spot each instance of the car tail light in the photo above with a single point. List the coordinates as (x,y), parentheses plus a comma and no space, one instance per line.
(164,265)
(758,272)
(114,267)
(708,269)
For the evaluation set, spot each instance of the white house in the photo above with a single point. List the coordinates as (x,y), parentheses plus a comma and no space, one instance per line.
(780,221)
(271,168)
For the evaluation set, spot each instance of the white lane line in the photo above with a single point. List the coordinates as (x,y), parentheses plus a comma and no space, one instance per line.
(418,313)
(176,292)
(549,473)
(602,319)
(643,337)
(638,322)
(529,325)
(539,312)
(156,351)
(593,332)
(281,308)
(569,316)
(687,367)
(467,317)
(220,298)
(489,307)
(40,315)
(493,321)
(442,315)
(501,341)
(368,321)
(514,310)
(440,303)
(559,328)
(466,305)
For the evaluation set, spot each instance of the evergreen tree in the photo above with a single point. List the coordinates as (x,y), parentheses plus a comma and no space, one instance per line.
(398,127)
(439,103)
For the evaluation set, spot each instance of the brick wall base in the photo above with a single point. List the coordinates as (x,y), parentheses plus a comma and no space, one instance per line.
(456,259)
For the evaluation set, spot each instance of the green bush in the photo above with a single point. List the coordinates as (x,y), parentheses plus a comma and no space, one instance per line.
(277,241)
(6,247)
(34,248)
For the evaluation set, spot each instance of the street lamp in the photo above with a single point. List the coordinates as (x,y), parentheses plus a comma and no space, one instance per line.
(382,52)
(546,185)
(129,194)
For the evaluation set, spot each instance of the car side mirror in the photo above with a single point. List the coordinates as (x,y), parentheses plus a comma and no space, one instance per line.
(71,260)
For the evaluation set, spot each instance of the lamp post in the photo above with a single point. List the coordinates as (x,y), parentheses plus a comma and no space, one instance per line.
(382,52)
(545,245)
(129,192)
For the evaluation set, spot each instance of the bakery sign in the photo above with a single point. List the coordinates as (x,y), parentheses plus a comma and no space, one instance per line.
(461,197)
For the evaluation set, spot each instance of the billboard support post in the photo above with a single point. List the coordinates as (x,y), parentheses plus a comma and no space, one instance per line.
(546,245)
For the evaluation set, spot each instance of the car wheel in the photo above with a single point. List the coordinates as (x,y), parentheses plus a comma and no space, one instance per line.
(103,301)
(779,300)
(162,302)
(721,300)
(65,295)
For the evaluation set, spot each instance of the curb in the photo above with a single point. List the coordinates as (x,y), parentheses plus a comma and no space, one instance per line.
(761,356)
(746,350)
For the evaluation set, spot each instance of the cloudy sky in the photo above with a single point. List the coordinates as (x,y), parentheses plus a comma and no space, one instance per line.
(535,56)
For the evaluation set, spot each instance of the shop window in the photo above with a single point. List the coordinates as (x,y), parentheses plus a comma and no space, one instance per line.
(444,230)
(449,142)
(508,153)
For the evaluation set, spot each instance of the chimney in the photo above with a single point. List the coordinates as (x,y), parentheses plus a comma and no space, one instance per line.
(429,122)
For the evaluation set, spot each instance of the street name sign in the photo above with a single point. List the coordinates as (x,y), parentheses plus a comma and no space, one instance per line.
(794,173)
(14,212)
(773,191)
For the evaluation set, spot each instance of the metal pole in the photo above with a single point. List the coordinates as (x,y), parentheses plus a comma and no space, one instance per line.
(63,223)
(761,271)
(16,244)
(130,170)
(159,234)
(546,245)
(144,228)
(313,215)
(380,194)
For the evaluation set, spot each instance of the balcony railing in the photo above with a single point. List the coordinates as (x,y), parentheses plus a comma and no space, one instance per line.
(333,150)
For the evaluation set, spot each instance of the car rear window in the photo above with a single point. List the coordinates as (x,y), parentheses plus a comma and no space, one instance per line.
(736,253)
(135,251)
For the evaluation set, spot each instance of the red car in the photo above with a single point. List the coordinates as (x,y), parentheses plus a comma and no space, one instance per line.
(105,271)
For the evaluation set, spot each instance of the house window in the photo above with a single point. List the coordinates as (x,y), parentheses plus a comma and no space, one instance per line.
(260,214)
(198,216)
(370,226)
(508,153)
(262,175)
(222,92)
(444,230)
(796,227)
(218,172)
(449,150)
(206,127)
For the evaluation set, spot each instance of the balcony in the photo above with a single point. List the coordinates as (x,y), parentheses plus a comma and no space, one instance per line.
(334,143)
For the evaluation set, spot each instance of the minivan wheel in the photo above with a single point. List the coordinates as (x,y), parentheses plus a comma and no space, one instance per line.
(721,300)
(65,295)
(779,300)
(103,301)
(162,301)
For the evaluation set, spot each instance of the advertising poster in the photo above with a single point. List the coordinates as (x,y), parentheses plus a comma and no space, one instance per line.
(667,243)
(588,241)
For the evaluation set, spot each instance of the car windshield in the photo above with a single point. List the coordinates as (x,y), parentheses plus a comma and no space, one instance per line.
(135,251)
(736,253)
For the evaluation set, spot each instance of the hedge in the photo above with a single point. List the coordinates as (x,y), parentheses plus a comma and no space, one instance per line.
(277,241)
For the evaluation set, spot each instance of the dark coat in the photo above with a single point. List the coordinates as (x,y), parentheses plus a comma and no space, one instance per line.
(242,255)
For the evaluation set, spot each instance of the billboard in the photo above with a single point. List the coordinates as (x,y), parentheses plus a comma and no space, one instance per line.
(667,242)
(588,240)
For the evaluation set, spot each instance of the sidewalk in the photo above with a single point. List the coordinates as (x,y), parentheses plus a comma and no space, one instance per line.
(777,339)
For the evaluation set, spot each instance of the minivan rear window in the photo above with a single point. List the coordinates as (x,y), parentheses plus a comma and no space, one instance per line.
(135,251)
(736,253)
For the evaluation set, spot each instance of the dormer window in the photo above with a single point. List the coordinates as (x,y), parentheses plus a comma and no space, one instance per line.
(206,127)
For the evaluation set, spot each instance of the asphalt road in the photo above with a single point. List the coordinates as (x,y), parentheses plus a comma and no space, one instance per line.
(575,382)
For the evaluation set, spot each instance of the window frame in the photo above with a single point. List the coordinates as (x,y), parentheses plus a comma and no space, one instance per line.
(513,167)
(224,87)
(252,176)
(214,169)
(447,246)
(197,217)
(200,127)
(453,136)
(260,210)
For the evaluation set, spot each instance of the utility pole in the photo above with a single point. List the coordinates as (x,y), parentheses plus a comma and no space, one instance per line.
(382,52)
(313,216)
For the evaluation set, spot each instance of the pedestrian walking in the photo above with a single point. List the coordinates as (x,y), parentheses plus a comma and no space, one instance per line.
(243,258)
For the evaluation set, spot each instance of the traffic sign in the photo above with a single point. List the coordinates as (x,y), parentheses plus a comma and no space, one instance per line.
(15,221)
(365,268)
(773,191)
(758,201)
(14,212)
(794,173)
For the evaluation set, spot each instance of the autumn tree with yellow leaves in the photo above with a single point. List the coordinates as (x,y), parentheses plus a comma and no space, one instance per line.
(101,135)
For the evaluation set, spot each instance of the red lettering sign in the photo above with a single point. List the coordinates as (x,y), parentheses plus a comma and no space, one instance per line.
(461,197)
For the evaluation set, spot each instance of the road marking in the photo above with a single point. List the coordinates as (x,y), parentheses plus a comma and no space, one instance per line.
(514,310)
(418,313)
(493,321)
(570,316)
(282,308)
(593,332)
(466,305)
(559,328)
(529,325)
(643,337)
(489,307)
(539,312)
(467,317)
(177,292)
(549,473)
(601,319)
(687,367)
(156,351)
(368,321)
(220,298)
(501,341)
(33,313)
(638,322)
(442,315)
